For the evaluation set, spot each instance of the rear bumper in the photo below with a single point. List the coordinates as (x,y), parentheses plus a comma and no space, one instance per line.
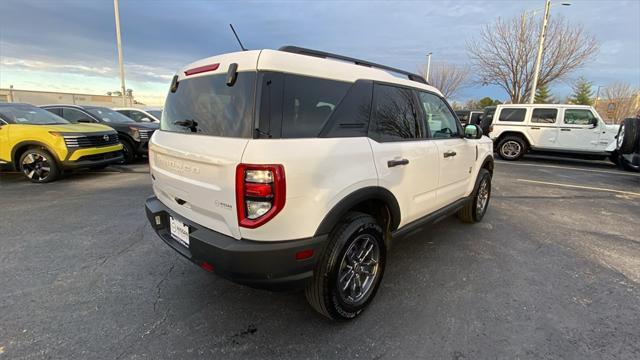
(267,265)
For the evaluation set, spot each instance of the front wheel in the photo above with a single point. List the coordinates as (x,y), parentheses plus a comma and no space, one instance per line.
(350,269)
(511,148)
(38,166)
(128,152)
(475,209)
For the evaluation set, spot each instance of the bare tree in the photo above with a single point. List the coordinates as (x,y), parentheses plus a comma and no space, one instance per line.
(505,52)
(623,101)
(447,77)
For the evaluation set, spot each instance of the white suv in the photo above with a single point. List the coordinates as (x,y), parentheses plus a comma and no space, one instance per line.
(560,129)
(283,169)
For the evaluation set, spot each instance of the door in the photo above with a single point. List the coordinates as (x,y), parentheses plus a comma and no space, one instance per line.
(579,130)
(543,128)
(456,154)
(406,162)
(5,153)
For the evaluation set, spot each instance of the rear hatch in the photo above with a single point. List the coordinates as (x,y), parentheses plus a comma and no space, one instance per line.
(203,133)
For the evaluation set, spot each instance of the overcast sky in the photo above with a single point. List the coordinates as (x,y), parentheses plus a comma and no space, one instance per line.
(70,45)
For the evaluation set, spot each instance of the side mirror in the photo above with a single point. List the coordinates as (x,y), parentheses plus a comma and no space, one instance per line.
(594,122)
(472,131)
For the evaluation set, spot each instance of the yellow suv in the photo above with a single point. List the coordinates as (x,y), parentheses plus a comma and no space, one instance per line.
(42,145)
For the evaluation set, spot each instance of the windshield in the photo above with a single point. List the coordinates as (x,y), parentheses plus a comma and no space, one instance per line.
(156,113)
(27,114)
(207,106)
(109,116)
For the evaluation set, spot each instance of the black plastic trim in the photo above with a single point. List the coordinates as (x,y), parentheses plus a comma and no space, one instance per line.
(432,218)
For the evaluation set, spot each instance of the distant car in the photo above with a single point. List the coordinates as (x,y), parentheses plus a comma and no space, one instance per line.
(140,115)
(469,116)
(41,145)
(133,136)
(561,129)
(628,144)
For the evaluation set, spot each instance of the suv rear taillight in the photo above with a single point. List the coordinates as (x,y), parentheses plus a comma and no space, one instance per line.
(260,193)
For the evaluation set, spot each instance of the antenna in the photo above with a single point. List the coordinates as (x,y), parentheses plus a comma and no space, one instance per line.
(237,38)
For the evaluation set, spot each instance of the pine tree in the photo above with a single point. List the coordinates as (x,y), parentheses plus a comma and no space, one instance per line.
(543,95)
(582,92)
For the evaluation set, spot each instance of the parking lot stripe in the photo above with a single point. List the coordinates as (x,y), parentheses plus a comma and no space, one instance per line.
(570,168)
(580,187)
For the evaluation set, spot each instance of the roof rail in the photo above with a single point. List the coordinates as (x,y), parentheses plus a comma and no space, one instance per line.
(327,55)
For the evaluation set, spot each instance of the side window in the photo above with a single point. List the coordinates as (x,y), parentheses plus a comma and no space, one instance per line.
(544,116)
(308,103)
(56,111)
(135,115)
(394,114)
(74,115)
(579,117)
(439,119)
(351,117)
(126,113)
(512,114)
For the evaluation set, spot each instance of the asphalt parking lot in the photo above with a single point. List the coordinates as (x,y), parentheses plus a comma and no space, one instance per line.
(553,271)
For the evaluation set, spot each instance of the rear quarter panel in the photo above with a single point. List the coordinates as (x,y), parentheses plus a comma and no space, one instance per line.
(319,173)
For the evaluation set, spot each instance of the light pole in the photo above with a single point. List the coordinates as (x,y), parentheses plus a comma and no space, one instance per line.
(543,32)
(428,65)
(116,10)
(595,103)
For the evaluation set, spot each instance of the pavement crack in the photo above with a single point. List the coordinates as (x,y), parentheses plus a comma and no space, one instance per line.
(159,286)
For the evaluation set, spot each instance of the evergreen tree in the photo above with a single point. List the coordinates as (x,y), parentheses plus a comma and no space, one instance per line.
(543,95)
(487,101)
(582,92)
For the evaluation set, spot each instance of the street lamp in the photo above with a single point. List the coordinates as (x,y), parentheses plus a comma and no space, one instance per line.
(536,72)
(428,65)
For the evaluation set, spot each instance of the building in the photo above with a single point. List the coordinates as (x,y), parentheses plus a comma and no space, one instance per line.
(613,111)
(35,97)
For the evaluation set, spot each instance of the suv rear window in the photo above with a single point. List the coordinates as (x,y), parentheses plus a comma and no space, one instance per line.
(207,106)
(512,114)
(545,116)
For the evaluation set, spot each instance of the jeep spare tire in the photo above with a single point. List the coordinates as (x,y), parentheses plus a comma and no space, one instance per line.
(627,136)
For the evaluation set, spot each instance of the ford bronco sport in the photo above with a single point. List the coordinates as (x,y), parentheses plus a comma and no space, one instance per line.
(41,145)
(281,169)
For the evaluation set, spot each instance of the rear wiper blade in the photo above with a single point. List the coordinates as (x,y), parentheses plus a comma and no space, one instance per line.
(188,123)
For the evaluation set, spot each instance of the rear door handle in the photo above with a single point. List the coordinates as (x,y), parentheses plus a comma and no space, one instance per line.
(450,153)
(392,163)
(535,128)
(565,129)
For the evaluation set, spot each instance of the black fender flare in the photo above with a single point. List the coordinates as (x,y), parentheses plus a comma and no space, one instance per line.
(488,164)
(348,202)
(31,143)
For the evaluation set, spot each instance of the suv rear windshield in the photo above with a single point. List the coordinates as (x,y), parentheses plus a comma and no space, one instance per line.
(27,114)
(205,105)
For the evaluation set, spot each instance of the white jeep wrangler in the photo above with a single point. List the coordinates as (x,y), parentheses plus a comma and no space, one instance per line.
(561,129)
(281,169)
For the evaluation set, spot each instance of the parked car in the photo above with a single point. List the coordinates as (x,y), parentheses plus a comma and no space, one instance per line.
(133,136)
(284,169)
(139,115)
(469,116)
(561,129)
(628,144)
(41,145)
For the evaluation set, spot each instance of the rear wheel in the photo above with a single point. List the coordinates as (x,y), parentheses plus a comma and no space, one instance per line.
(349,272)
(39,166)
(475,209)
(627,136)
(511,148)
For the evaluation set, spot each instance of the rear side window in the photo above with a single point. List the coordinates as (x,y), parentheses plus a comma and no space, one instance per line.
(511,114)
(308,103)
(578,117)
(394,114)
(207,106)
(544,116)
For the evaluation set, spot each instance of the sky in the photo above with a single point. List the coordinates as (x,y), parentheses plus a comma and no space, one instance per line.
(70,46)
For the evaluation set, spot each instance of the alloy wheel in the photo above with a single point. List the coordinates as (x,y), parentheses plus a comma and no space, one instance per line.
(483,197)
(511,149)
(359,269)
(36,167)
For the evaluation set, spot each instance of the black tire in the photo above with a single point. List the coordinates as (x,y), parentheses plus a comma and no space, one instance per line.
(512,148)
(627,136)
(38,166)
(626,166)
(99,167)
(324,293)
(615,158)
(475,209)
(128,152)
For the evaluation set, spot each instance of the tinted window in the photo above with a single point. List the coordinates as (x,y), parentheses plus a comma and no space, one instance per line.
(109,116)
(578,117)
(510,114)
(545,116)
(28,114)
(440,121)
(476,118)
(463,116)
(394,115)
(56,111)
(75,115)
(351,117)
(206,105)
(137,115)
(126,113)
(308,103)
